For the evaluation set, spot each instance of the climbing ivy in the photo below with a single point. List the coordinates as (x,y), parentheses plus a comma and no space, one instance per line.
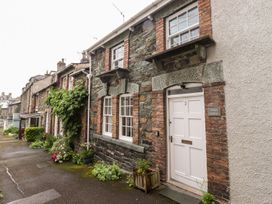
(67,106)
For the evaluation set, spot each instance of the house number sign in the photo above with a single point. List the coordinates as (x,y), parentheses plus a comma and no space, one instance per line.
(214,111)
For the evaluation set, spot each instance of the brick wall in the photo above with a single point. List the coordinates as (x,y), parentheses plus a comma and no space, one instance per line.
(126,53)
(205,19)
(107,59)
(99,117)
(135,114)
(115,117)
(160,35)
(217,143)
(158,154)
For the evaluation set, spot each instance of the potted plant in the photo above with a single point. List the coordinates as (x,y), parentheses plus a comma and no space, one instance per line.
(144,177)
(87,156)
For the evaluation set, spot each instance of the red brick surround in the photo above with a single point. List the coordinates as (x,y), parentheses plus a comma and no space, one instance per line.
(115,117)
(159,142)
(107,59)
(99,117)
(136,118)
(126,53)
(205,19)
(216,142)
(160,35)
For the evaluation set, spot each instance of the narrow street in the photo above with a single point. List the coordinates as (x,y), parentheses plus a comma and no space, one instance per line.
(28,176)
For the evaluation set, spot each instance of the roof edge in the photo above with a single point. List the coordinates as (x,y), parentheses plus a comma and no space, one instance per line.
(136,19)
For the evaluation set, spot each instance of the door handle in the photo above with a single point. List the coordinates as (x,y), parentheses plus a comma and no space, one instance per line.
(189,142)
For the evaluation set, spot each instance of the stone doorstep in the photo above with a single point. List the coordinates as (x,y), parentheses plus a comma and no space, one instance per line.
(178,195)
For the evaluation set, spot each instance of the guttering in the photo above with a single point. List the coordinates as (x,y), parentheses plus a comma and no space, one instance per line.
(138,18)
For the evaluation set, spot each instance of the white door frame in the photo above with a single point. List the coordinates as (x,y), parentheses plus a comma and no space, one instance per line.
(169,180)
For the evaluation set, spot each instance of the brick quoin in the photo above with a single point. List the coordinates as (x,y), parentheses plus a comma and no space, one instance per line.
(115,117)
(107,59)
(217,143)
(126,53)
(159,153)
(136,117)
(99,117)
(205,19)
(160,35)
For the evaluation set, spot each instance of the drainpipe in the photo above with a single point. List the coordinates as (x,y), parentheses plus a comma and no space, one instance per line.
(89,77)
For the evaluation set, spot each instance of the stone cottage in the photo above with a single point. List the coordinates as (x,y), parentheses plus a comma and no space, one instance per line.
(156,95)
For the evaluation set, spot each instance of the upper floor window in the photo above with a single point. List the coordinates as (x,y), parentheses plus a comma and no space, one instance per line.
(70,82)
(117,56)
(183,26)
(64,82)
(107,116)
(125,119)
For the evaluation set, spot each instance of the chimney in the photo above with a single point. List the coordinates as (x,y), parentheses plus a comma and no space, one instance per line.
(84,58)
(61,65)
(10,95)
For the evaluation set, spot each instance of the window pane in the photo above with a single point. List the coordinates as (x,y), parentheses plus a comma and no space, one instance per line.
(193,16)
(183,21)
(129,122)
(123,121)
(184,37)
(124,131)
(122,101)
(122,111)
(173,26)
(129,132)
(195,33)
(174,41)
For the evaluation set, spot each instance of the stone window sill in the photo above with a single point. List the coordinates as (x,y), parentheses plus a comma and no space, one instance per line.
(197,45)
(121,143)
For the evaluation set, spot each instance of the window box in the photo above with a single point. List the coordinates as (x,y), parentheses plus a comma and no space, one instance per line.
(118,73)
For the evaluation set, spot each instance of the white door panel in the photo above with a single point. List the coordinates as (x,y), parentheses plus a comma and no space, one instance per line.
(187,146)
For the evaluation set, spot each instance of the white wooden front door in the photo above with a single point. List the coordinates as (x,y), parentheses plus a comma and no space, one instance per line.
(187,141)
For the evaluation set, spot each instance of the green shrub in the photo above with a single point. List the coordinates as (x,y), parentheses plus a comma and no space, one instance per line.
(61,150)
(12,130)
(142,166)
(33,134)
(130,180)
(208,198)
(106,172)
(49,141)
(76,158)
(37,145)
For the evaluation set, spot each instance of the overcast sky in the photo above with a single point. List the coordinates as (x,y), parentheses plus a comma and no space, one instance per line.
(36,34)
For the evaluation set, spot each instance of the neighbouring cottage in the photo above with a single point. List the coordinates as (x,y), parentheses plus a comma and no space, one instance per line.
(156,95)
(67,75)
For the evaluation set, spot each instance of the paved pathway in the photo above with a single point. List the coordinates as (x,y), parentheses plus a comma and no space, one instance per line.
(29,177)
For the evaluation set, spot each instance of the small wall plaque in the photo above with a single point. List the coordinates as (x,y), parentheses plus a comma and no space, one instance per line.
(214,111)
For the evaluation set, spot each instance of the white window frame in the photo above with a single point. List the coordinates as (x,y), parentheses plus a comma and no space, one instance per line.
(117,60)
(107,133)
(121,136)
(180,32)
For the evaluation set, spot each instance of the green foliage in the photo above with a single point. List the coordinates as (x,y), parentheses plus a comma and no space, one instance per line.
(84,154)
(208,198)
(106,172)
(67,105)
(37,145)
(142,166)
(12,130)
(49,141)
(33,134)
(61,150)
(130,180)
(76,158)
